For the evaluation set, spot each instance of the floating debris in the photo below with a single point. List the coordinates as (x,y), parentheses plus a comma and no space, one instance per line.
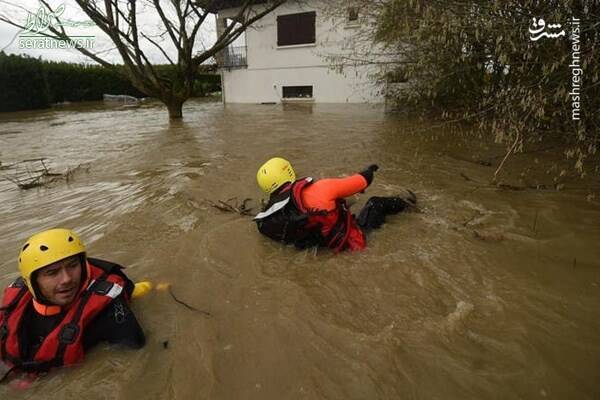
(186,305)
(119,98)
(232,205)
(34,172)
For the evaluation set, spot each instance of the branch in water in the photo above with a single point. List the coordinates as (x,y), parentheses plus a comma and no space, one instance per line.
(187,305)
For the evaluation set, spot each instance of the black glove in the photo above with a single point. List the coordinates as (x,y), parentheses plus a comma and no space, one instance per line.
(368,172)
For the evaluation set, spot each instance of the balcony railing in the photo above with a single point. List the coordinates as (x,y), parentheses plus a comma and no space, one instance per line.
(234,57)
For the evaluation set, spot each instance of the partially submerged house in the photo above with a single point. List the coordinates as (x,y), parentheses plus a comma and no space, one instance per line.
(286,57)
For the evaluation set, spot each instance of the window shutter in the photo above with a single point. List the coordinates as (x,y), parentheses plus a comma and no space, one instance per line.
(296,29)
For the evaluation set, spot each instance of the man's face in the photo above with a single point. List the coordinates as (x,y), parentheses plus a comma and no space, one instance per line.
(59,282)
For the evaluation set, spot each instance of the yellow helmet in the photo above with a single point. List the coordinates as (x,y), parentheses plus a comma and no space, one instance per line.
(45,248)
(274,173)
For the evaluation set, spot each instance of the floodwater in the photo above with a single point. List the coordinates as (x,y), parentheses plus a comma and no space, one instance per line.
(485,294)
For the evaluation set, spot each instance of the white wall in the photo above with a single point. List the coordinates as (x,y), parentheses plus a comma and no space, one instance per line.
(270,67)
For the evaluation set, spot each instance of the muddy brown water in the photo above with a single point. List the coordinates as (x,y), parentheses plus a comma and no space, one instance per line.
(486,294)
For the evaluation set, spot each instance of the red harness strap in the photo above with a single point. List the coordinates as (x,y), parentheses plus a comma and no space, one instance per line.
(64,344)
(337,226)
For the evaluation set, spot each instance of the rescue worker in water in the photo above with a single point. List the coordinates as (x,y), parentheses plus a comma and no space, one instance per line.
(308,213)
(63,304)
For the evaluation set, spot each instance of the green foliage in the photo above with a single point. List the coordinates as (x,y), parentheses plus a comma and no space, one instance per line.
(205,84)
(474,61)
(78,82)
(22,82)
(28,83)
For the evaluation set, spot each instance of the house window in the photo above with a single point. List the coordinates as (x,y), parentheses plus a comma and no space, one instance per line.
(296,29)
(353,14)
(298,92)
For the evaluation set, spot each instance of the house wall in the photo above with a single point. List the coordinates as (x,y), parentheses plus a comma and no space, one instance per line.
(271,67)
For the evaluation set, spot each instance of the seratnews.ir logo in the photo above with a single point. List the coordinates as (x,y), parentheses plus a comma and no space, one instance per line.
(34,35)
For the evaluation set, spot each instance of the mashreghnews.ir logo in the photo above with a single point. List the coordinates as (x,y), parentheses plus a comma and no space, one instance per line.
(538,31)
(38,31)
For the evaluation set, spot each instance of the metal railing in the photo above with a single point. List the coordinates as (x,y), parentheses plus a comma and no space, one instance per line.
(234,57)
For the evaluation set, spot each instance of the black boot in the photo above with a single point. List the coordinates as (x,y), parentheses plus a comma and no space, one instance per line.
(372,216)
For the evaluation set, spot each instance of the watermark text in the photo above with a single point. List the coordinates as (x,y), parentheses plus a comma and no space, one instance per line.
(576,70)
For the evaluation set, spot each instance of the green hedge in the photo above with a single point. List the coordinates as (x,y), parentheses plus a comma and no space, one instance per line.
(74,82)
(28,83)
(22,83)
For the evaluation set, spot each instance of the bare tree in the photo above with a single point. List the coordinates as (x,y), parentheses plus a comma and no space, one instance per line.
(181,21)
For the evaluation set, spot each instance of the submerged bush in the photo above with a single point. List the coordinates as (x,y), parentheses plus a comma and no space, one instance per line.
(476,62)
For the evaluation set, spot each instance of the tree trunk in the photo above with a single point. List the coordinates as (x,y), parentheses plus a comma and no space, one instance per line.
(175,108)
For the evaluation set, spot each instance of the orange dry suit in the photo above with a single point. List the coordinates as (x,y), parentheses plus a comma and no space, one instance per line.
(308,213)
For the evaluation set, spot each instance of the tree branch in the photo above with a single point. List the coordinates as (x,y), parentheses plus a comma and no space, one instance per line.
(160,48)
(167,23)
(229,36)
(61,35)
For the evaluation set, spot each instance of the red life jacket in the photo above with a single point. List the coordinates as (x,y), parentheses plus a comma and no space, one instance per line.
(64,344)
(287,219)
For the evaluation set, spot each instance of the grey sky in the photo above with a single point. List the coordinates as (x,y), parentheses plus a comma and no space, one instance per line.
(148,22)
